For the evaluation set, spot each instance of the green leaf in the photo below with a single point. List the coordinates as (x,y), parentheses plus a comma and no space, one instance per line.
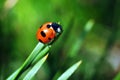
(70,71)
(35,68)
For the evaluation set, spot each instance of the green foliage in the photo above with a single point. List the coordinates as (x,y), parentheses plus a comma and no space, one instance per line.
(35,58)
(77,45)
(28,61)
(90,33)
(69,72)
(35,68)
(117,77)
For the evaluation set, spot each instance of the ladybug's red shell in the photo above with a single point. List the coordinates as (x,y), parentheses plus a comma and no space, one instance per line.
(45,34)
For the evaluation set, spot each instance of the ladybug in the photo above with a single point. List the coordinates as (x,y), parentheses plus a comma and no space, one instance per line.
(48,32)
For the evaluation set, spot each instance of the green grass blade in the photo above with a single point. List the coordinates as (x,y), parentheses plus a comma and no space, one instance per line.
(41,54)
(70,71)
(13,75)
(27,62)
(117,77)
(35,68)
(78,43)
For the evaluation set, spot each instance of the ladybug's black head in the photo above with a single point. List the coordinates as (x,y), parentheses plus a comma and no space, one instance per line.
(57,27)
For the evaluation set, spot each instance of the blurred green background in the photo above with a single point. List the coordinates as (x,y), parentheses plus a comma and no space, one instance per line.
(98,47)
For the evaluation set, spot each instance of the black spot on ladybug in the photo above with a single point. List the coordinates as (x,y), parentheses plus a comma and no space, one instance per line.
(40,40)
(49,38)
(43,34)
(48,26)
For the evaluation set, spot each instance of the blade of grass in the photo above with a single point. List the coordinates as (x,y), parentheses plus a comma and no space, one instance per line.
(27,62)
(35,68)
(117,77)
(70,71)
(78,43)
(11,77)
(41,54)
